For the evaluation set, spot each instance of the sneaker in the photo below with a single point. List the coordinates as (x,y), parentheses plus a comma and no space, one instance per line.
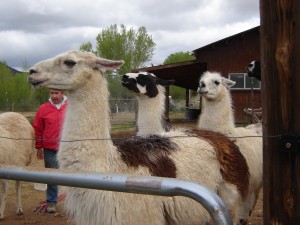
(51,207)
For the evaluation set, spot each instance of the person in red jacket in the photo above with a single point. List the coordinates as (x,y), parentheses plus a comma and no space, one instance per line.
(47,125)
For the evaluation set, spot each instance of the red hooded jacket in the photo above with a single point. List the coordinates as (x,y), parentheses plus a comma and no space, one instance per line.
(47,125)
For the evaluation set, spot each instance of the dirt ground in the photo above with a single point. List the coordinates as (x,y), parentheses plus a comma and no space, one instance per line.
(31,199)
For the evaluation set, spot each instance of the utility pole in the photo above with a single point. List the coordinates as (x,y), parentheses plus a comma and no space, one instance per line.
(280,60)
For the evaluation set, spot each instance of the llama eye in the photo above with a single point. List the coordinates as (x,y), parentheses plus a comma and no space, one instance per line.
(216,82)
(69,63)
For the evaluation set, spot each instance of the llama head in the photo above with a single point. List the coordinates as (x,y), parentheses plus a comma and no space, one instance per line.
(69,70)
(212,85)
(144,83)
(254,69)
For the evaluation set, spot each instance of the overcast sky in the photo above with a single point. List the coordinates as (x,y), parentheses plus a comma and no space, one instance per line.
(33,30)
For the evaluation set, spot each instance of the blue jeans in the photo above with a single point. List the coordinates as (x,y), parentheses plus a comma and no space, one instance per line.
(51,162)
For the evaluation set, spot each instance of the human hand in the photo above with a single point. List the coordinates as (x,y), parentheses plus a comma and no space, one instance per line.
(40,153)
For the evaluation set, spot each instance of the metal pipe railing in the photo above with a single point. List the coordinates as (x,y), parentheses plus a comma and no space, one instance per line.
(125,183)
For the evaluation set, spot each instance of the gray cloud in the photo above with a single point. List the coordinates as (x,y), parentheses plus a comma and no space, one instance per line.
(32,30)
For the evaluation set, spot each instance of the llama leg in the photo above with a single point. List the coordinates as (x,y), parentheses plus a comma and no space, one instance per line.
(3,197)
(18,198)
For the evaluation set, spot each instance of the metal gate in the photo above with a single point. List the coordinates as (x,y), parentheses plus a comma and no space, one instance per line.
(126,183)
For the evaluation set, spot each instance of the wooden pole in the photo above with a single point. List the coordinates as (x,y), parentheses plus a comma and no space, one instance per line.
(167,104)
(280,56)
(187,98)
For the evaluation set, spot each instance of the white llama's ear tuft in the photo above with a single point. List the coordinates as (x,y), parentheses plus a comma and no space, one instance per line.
(228,83)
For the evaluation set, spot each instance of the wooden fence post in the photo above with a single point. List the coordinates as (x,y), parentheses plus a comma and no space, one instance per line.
(280,57)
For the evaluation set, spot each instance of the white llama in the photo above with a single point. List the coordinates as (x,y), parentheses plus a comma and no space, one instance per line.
(217,115)
(16,146)
(150,94)
(185,157)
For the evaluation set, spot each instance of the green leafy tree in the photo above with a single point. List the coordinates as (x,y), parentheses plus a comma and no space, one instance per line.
(87,47)
(179,57)
(135,47)
(116,90)
(15,92)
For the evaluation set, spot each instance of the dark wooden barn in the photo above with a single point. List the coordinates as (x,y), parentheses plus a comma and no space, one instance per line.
(230,56)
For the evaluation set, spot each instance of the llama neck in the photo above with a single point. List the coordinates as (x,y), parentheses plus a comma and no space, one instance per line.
(217,115)
(150,113)
(87,117)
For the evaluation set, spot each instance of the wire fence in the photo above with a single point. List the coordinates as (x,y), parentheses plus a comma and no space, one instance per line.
(124,116)
(124,119)
(145,138)
(122,105)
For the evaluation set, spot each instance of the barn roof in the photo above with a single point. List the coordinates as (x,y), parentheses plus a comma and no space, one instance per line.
(186,74)
(227,39)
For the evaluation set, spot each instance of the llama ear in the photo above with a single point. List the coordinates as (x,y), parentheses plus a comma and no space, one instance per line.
(106,64)
(228,83)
